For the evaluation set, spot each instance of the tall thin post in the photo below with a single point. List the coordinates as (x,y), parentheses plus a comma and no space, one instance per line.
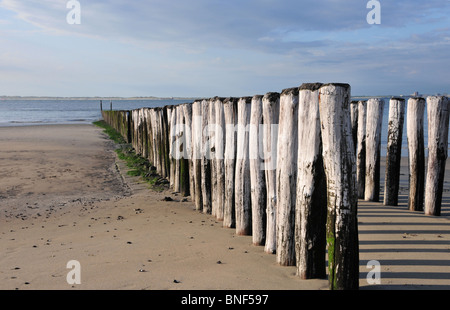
(374,122)
(242,184)
(212,153)
(230,116)
(394,151)
(339,164)
(361,149)
(206,159)
(220,153)
(257,175)
(197,153)
(354,122)
(271,112)
(416,148)
(438,117)
(311,209)
(287,176)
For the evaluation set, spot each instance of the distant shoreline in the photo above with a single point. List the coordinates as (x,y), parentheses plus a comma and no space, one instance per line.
(93,98)
(161,98)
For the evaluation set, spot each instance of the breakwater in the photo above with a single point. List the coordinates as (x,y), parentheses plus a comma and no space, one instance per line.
(288,168)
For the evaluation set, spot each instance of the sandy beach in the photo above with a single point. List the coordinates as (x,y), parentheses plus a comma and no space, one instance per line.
(65,196)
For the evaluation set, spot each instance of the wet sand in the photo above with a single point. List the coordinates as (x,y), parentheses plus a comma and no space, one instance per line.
(65,196)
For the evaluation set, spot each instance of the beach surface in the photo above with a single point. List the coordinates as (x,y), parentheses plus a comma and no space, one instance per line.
(65,196)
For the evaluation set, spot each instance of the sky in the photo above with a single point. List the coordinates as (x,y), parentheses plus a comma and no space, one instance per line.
(206,48)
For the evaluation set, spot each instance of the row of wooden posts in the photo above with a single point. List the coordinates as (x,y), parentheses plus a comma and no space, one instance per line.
(286,168)
(367,117)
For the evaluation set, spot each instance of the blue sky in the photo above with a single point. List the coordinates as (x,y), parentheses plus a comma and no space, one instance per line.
(205,48)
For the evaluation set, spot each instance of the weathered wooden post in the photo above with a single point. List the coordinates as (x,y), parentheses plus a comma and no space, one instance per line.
(287,176)
(374,123)
(416,150)
(241,182)
(220,153)
(361,149)
(271,112)
(206,162)
(230,116)
(339,164)
(101,105)
(197,153)
(311,208)
(173,137)
(257,174)
(394,151)
(354,122)
(187,110)
(165,141)
(184,151)
(212,153)
(438,117)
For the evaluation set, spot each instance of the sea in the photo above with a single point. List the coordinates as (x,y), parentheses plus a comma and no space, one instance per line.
(29,112)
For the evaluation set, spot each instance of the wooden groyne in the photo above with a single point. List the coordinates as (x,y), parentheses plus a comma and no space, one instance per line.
(288,168)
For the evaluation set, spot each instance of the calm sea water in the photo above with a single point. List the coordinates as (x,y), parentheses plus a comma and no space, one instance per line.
(45,112)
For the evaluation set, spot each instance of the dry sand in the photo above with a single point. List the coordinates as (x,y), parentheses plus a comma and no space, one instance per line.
(64,196)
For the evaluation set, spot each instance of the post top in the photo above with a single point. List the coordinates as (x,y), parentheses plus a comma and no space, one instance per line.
(272,96)
(310,86)
(344,85)
(290,91)
(246,99)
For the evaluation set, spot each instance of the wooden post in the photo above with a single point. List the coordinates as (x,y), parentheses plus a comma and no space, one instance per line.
(311,208)
(165,141)
(230,116)
(416,150)
(287,176)
(187,110)
(394,151)
(184,150)
(242,178)
(339,164)
(438,117)
(212,153)
(173,138)
(197,153)
(361,149)
(220,153)
(271,112)
(206,162)
(257,174)
(101,105)
(354,122)
(374,123)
